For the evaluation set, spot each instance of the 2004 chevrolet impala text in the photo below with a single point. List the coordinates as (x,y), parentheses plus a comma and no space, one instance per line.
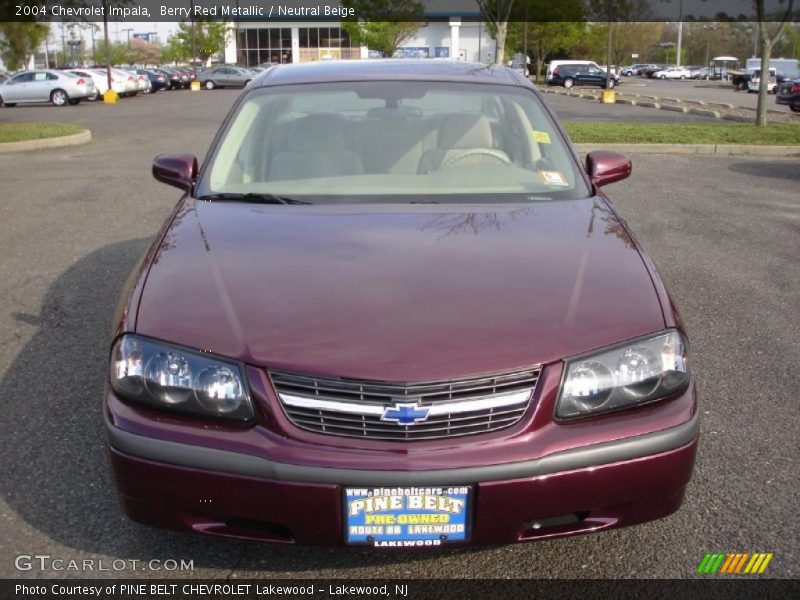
(393,309)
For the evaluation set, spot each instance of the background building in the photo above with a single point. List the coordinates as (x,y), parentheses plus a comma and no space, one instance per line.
(254,43)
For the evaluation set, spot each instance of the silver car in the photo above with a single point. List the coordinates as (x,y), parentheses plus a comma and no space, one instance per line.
(58,87)
(226,77)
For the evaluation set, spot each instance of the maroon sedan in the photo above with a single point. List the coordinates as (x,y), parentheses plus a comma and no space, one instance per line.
(393,309)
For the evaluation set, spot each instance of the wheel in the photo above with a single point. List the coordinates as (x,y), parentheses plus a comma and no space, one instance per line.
(683,76)
(210,85)
(59,97)
(246,83)
(663,77)
(742,85)
(94,96)
(147,90)
(1,102)
(792,107)
(611,84)
(74,101)
(568,82)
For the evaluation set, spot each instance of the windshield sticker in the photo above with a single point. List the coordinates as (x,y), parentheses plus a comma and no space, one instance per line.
(541,137)
(553,178)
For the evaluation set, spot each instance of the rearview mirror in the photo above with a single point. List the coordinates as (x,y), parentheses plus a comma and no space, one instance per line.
(605,167)
(177,170)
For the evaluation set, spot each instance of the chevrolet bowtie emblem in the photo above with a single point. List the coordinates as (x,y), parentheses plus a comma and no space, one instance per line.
(405,413)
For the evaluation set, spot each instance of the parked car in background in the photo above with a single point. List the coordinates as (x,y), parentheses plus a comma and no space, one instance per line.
(118,80)
(650,71)
(700,73)
(635,69)
(570,74)
(789,94)
(672,73)
(177,80)
(755,81)
(158,81)
(100,81)
(501,360)
(57,87)
(554,64)
(142,81)
(226,76)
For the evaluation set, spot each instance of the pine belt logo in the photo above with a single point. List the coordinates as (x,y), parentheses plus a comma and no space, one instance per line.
(734,563)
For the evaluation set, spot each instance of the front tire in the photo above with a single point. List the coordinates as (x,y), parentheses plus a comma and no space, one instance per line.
(663,77)
(59,97)
(210,85)
(683,77)
(568,82)
(611,84)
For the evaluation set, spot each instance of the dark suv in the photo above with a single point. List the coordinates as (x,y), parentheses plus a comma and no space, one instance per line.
(580,74)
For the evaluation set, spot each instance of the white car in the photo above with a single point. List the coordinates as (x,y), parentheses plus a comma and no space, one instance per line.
(755,80)
(57,87)
(142,81)
(672,73)
(130,86)
(100,82)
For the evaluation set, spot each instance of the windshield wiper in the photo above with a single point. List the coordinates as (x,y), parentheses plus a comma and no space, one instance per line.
(251,198)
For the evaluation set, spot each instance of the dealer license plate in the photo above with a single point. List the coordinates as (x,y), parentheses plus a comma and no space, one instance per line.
(388,517)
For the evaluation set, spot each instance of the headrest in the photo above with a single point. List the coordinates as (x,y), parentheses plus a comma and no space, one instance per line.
(322,132)
(464,131)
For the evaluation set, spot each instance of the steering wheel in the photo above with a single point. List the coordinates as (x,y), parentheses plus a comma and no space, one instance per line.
(495,154)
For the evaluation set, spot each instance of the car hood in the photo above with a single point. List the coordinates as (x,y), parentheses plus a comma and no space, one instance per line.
(396,293)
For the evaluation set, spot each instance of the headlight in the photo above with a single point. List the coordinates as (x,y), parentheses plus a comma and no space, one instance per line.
(177,379)
(629,375)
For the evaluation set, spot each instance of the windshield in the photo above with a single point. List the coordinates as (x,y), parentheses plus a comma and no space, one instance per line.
(393,141)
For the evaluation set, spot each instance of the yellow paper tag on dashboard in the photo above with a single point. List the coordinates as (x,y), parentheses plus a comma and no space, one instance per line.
(541,137)
(553,178)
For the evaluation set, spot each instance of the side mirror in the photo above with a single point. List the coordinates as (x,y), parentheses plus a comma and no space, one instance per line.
(177,170)
(605,167)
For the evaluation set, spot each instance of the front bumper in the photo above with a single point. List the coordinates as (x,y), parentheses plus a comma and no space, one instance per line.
(580,490)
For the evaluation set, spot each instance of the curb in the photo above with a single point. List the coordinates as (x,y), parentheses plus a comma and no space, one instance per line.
(84,137)
(655,102)
(708,149)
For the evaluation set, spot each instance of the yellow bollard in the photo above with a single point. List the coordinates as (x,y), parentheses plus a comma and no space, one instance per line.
(609,97)
(195,86)
(110,97)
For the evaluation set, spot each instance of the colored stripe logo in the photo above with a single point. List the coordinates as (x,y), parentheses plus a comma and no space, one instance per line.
(734,563)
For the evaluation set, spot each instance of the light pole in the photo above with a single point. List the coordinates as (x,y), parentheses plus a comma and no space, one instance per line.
(680,34)
(128,31)
(194,39)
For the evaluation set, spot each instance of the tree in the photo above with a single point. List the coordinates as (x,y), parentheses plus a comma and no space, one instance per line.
(208,38)
(497,14)
(19,42)
(117,53)
(386,24)
(611,11)
(143,53)
(176,50)
(769,33)
(556,29)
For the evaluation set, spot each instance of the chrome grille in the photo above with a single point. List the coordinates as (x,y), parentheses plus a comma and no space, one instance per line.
(355,408)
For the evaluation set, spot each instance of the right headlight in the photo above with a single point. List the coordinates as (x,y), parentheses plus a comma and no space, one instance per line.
(179,379)
(628,375)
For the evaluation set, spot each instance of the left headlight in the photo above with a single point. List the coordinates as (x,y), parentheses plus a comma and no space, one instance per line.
(628,375)
(178,379)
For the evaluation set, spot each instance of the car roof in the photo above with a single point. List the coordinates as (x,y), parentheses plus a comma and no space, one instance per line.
(389,70)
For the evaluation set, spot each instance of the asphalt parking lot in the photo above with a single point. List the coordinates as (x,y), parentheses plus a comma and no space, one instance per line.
(707,91)
(724,232)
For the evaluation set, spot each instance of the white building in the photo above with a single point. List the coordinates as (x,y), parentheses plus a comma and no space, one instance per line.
(255,43)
